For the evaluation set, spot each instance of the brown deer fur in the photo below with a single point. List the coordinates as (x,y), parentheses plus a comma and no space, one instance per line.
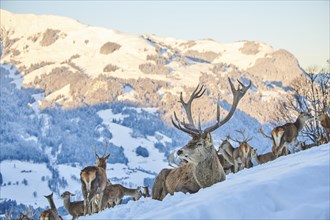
(50,214)
(287,134)
(93,182)
(76,208)
(325,122)
(113,194)
(203,167)
(262,158)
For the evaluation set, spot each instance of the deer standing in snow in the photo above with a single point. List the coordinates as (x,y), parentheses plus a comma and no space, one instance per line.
(50,214)
(244,149)
(325,122)
(287,134)
(232,162)
(203,167)
(76,208)
(93,182)
(114,193)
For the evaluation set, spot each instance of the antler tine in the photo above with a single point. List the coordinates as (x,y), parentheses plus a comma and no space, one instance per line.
(245,139)
(183,128)
(230,138)
(197,93)
(106,147)
(238,94)
(263,133)
(95,149)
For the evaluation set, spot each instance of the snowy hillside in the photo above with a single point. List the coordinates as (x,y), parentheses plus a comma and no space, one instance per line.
(108,66)
(291,187)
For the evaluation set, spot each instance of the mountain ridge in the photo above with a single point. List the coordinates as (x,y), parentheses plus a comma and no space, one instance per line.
(78,64)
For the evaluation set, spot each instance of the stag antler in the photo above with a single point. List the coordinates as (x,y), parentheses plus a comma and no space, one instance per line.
(238,94)
(263,133)
(190,127)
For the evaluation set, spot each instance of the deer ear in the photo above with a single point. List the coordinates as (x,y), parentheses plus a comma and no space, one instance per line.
(208,137)
(97,156)
(107,156)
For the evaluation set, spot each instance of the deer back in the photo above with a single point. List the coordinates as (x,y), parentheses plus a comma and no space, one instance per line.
(94,178)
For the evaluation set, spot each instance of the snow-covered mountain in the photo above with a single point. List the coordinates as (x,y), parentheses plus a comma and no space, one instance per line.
(78,64)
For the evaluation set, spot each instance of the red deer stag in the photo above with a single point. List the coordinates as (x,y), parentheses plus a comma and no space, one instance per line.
(244,149)
(93,182)
(287,134)
(229,157)
(202,168)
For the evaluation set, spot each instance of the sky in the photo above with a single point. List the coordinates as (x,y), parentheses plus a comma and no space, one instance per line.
(301,27)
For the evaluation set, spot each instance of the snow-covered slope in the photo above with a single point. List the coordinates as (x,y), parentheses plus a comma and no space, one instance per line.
(292,187)
(85,61)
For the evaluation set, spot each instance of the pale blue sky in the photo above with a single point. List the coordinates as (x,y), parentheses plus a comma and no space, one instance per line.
(301,27)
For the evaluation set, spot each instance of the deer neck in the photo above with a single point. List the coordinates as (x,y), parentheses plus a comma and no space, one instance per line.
(66,203)
(51,203)
(208,171)
(129,192)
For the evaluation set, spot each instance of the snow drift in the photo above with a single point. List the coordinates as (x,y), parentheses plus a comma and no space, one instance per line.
(291,187)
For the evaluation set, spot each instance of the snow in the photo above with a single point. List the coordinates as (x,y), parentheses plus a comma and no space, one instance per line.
(13,171)
(291,187)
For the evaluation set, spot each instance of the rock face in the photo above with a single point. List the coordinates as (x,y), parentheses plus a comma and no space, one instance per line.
(279,66)
(76,64)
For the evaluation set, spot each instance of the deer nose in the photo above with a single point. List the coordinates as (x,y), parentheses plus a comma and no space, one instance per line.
(179,152)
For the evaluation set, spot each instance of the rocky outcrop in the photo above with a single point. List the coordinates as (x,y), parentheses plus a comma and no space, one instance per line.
(280,66)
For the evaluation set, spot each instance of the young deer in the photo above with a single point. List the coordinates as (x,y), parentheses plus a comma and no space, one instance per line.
(75,209)
(287,134)
(50,214)
(232,162)
(263,158)
(113,195)
(93,182)
(203,168)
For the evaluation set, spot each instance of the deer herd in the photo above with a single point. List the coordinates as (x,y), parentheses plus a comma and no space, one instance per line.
(196,165)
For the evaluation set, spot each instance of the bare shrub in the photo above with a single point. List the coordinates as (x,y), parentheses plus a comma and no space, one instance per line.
(250,48)
(158,59)
(34,37)
(207,56)
(49,37)
(150,68)
(15,52)
(188,44)
(109,48)
(219,68)
(110,68)
(36,66)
